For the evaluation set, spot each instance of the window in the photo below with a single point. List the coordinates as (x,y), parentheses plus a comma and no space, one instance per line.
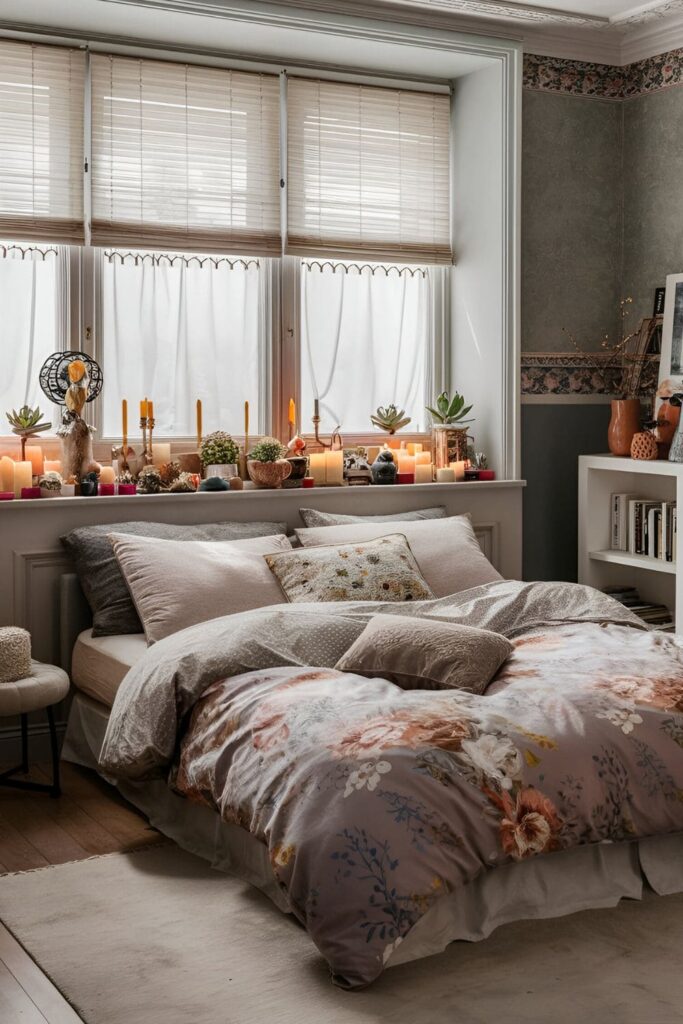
(31,290)
(181,327)
(367,339)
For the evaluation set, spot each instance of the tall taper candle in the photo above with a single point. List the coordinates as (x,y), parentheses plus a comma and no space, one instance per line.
(124,425)
(246,428)
(199,422)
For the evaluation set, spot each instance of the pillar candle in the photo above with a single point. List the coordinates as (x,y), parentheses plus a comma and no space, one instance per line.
(6,474)
(199,422)
(23,477)
(246,428)
(334,468)
(413,449)
(124,425)
(445,476)
(161,454)
(373,451)
(34,454)
(52,466)
(406,463)
(459,470)
(423,474)
(316,467)
(422,458)
(107,475)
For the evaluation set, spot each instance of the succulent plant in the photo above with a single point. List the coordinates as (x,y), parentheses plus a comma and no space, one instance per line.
(26,423)
(268,449)
(149,480)
(183,484)
(50,482)
(219,449)
(389,418)
(450,410)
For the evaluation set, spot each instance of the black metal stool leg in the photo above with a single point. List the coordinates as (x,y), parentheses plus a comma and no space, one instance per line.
(24,743)
(56,789)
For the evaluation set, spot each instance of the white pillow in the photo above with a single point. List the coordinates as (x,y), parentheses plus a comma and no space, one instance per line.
(175,584)
(446,550)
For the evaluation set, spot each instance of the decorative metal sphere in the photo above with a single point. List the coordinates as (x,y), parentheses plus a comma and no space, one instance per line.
(54,375)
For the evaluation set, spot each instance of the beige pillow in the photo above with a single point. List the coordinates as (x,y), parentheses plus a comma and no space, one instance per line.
(379,570)
(426,654)
(175,584)
(446,550)
(314,517)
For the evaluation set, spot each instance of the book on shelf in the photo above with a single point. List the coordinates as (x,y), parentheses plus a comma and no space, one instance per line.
(656,616)
(643,526)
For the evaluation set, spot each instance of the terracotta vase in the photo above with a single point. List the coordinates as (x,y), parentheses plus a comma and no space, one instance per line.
(269,474)
(668,416)
(625,422)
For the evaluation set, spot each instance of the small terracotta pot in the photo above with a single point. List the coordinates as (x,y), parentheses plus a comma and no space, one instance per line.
(269,474)
(625,422)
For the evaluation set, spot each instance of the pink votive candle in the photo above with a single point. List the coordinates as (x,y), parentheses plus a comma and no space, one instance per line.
(6,495)
(125,489)
(30,492)
(308,481)
(405,478)
(107,490)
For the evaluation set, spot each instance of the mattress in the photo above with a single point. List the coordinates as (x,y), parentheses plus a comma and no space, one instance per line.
(99,663)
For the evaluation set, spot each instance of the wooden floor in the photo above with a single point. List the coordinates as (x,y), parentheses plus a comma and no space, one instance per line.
(89,819)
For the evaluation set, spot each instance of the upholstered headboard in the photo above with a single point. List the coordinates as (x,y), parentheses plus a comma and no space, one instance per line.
(74,616)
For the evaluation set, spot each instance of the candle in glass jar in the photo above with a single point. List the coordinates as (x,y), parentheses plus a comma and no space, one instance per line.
(334,468)
(107,475)
(423,474)
(6,474)
(34,454)
(316,467)
(459,470)
(445,476)
(23,477)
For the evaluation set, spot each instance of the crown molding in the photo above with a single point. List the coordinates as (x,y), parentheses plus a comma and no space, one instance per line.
(653,38)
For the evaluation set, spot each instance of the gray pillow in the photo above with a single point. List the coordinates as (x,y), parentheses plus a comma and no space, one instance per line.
(100,576)
(426,654)
(312,517)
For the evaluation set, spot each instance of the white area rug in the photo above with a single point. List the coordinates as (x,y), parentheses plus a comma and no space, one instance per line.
(157,937)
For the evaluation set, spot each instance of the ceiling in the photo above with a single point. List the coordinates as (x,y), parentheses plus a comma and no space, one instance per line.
(607,31)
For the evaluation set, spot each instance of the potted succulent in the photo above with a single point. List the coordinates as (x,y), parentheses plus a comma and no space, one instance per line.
(449,433)
(50,485)
(266,464)
(390,418)
(219,455)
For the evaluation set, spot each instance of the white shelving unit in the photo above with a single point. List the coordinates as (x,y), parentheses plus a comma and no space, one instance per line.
(601,476)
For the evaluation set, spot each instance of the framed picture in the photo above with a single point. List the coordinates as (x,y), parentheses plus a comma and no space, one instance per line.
(671,364)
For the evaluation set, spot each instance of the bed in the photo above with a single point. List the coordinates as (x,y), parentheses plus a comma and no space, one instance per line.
(315,824)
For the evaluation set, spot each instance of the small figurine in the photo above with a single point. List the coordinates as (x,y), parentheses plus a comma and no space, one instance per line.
(384,468)
(357,469)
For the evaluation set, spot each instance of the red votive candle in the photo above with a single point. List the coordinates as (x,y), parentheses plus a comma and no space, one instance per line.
(125,489)
(6,495)
(405,478)
(308,481)
(487,474)
(30,492)
(107,490)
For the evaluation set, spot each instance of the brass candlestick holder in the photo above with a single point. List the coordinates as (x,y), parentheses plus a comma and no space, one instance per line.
(336,442)
(146,423)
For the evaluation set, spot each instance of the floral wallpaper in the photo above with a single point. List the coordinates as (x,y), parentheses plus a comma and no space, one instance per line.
(568,373)
(582,78)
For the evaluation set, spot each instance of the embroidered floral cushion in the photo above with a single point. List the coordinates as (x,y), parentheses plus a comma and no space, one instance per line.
(424,654)
(377,570)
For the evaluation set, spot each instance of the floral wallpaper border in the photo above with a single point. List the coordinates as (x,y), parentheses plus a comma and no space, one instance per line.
(581,78)
(568,373)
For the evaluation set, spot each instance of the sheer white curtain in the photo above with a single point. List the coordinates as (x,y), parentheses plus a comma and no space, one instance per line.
(368,339)
(182,330)
(31,286)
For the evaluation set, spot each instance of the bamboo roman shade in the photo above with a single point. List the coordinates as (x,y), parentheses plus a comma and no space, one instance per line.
(368,172)
(184,157)
(41,142)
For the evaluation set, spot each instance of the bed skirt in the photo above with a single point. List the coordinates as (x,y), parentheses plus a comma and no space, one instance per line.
(584,878)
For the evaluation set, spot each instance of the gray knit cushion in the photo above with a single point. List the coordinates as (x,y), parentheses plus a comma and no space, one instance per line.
(425,654)
(15,653)
(312,517)
(101,579)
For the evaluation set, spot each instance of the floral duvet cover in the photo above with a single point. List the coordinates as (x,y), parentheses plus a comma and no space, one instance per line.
(374,801)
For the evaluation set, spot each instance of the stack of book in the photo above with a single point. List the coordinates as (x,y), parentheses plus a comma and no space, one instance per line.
(657,616)
(644,527)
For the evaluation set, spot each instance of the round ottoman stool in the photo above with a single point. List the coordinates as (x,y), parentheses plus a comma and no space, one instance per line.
(46,686)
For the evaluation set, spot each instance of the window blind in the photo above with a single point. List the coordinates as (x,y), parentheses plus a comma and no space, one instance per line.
(368,172)
(41,142)
(184,157)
